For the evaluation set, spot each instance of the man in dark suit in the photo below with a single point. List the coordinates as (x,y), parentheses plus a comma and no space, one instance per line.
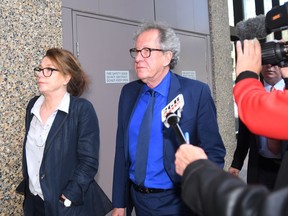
(263,163)
(156,52)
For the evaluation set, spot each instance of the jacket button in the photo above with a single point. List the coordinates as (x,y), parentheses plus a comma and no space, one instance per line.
(42,177)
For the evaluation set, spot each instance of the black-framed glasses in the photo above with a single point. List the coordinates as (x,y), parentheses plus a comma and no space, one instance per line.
(145,52)
(47,72)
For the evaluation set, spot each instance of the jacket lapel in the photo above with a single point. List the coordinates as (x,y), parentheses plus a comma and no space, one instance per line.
(175,87)
(174,90)
(55,128)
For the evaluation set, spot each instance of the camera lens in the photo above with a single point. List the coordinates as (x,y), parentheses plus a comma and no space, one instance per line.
(274,53)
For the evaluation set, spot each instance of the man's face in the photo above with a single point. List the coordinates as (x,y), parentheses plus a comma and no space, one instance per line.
(153,69)
(271,74)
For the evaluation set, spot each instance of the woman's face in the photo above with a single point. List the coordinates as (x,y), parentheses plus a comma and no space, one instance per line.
(54,82)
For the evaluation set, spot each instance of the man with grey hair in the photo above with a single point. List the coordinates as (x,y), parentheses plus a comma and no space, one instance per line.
(144,169)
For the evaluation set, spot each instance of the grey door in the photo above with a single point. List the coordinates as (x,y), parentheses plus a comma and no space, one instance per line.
(102,48)
(101,45)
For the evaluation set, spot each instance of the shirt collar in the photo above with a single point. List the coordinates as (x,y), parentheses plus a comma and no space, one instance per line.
(163,87)
(63,106)
(278,86)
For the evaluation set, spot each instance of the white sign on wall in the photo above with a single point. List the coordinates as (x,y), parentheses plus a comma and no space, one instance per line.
(116,76)
(189,74)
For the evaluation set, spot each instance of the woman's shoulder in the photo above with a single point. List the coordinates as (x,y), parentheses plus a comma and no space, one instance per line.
(79,101)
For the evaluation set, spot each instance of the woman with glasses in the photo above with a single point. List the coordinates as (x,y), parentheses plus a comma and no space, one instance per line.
(61,145)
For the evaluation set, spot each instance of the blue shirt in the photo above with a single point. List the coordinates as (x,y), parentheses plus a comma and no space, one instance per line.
(156,176)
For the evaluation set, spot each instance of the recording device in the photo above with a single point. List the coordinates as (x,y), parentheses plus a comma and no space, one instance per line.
(171,115)
(274,53)
(172,120)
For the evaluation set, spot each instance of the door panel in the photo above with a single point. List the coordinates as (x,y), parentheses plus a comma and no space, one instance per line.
(103,46)
(128,9)
(194,56)
(190,15)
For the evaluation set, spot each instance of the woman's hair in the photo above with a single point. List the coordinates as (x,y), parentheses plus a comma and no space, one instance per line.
(168,39)
(68,64)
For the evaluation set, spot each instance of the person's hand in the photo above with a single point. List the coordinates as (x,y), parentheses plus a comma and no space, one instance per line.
(284,72)
(187,154)
(249,57)
(234,171)
(118,212)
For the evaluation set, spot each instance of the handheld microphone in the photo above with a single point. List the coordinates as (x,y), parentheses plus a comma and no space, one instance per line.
(171,116)
(172,120)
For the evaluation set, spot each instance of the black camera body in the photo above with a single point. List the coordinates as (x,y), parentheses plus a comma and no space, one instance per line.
(276,53)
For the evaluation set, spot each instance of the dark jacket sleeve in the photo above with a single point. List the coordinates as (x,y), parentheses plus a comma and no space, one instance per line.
(87,145)
(120,176)
(208,190)
(211,140)
(120,191)
(243,145)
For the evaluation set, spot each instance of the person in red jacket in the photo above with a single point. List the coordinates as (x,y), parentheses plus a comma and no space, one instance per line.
(257,107)
(207,189)
(264,154)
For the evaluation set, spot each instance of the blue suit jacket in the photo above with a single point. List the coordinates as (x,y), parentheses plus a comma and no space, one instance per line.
(198,118)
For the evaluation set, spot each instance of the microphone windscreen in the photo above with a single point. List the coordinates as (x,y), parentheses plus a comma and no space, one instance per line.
(251,28)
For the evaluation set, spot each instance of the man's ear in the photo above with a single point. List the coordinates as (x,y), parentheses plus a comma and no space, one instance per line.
(167,58)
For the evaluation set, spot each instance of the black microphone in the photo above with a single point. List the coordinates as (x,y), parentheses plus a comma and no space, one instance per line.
(172,119)
(260,26)
(252,28)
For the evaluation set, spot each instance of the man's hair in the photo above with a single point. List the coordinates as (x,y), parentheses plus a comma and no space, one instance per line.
(167,38)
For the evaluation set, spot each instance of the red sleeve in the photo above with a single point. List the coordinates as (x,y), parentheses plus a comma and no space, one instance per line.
(258,108)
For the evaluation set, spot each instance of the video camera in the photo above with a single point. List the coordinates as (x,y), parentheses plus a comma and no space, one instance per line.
(274,53)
